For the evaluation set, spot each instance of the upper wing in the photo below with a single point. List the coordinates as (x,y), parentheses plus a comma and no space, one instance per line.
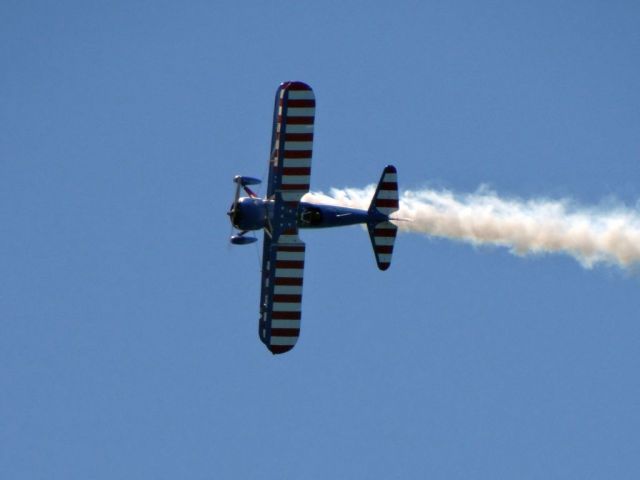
(291,141)
(281,292)
(283,251)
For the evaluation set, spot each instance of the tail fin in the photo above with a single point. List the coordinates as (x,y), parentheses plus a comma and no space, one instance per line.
(384,203)
(385,200)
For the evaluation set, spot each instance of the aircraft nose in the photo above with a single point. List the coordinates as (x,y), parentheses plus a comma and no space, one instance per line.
(234,214)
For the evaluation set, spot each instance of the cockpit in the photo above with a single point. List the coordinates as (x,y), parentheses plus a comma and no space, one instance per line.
(310,216)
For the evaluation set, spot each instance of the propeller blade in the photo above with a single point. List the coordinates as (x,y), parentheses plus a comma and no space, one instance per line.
(234,205)
(242,240)
(244,181)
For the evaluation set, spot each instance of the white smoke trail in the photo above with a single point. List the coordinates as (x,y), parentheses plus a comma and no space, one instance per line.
(590,235)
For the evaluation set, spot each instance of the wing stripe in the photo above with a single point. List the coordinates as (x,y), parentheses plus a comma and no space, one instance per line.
(287,290)
(286,307)
(299,103)
(296,137)
(285,332)
(284,255)
(286,342)
(289,264)
(287,171)
(286,315)
(290,248)
(285,324)
(298,129)
(297,179)
(293,154)
(288,281)
(301,92)
(289,273)
(307,113)
(297,163)
(297,146)
(295,189)
(281,298)
(306,120)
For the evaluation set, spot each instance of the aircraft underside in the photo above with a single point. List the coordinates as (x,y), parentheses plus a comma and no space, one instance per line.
(280,214)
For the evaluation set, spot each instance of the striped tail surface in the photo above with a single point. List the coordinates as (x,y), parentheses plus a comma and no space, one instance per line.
(384,203)
(382,236)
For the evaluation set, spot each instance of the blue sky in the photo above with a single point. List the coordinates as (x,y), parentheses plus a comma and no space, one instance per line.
(128,326)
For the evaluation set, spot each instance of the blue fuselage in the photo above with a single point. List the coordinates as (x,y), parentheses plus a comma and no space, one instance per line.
(255,214)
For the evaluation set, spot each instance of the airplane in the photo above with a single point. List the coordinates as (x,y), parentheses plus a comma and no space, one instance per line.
(281,214)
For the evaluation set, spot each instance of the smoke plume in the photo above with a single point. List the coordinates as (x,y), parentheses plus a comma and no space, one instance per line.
(590,235)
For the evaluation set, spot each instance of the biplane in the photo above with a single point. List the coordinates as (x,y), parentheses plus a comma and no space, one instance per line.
(282,213)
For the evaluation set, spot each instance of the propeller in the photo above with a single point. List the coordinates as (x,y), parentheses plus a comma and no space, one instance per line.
(234,206)
(233,212)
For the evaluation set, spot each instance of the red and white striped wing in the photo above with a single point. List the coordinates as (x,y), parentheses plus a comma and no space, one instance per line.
(282,278)
(283,251)
(292,144)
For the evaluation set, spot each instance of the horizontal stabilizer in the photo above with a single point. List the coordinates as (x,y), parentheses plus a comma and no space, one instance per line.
(383,236)
(381,231)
